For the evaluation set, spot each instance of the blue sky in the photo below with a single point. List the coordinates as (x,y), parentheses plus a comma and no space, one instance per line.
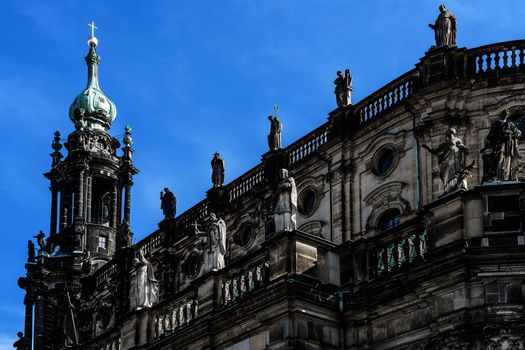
(193,77)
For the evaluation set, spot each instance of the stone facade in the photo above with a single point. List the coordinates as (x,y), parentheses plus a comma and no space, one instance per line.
(381,258)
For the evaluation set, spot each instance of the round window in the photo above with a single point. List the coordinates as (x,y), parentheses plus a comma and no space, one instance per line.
(192,265)
(388,220)
(307,201)
(246,235)
(384,161)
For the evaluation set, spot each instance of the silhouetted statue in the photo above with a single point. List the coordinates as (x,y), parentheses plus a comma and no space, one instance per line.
(445,28)
(501,156)
(343,88)
(40,240)
(21,343)
(168,204)
(452,156)
(284,214)
(274,138)
(30,251)
(217,174)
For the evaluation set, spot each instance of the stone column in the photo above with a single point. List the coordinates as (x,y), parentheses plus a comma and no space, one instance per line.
(79,195)
(89,189)
(28,323)
(127,202)
(39,323)
(54,214)
(119,204)
(114,206)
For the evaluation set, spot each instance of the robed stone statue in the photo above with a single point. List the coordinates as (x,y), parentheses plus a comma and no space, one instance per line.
(217,167)
(214,243)
(284,214)
(144,290)
(21,343)
(274,138)
(501,156)
(343,88)
(452,158)
(30,251)
(168,204)
(445,28)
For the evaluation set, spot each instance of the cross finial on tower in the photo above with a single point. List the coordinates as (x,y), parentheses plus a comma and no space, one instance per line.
(92,25)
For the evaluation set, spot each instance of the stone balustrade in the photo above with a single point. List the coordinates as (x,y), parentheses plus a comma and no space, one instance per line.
(105,273)
(246,182)
(241,283)
(400,253)
(505,58)
(173,317)
(307,145)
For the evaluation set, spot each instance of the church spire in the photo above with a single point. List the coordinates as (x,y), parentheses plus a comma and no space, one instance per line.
(92,110)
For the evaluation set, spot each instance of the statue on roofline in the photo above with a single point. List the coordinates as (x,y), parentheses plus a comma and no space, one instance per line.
(217,166)
(445,28)
(343,88)
(168,204)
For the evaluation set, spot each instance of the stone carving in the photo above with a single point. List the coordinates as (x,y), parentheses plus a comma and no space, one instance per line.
(445,28)
(40,241)
(70,323)
(274,138)
(30,251)
(21,343)
(501,156)
(168,204)
(217,174)
(452,155)
(124,235)
(213,243)
(343,88)
(285,211)
(144,287)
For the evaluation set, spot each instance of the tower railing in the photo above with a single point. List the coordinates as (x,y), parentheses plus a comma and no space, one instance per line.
(495,60)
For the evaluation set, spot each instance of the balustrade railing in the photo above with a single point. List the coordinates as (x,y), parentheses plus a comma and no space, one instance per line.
(497,59)
(246,182)
(173,317)
(113,344)
(241,283)
(399,253)
(308,145)
(106,272)
(193,215)
(386,98)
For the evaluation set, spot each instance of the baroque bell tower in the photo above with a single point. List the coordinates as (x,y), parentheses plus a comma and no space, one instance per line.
(90,217)
(90,207)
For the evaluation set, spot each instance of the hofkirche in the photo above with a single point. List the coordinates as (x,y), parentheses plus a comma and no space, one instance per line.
(396,224)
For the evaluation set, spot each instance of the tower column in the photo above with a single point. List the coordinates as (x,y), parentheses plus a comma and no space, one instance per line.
(79,195)
(39,322)
(127,202)
(89,194)
(54,214)
(28,322)
(114,192)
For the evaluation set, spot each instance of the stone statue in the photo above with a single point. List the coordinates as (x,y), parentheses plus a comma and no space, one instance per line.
(214,243)
(70,324)
(501,156)
(343,88)
(144,286)
(124,235)
(284,214)
(21,343)
(30,251)
(274,138)
(445,28)
(168,204)
(452,155)
(217,174)
(40,240)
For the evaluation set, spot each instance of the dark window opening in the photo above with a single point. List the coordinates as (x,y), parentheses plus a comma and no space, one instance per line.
(307,201)
(389,220)
(384,161)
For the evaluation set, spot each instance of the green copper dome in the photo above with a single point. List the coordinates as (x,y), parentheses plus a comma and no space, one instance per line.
(92,110)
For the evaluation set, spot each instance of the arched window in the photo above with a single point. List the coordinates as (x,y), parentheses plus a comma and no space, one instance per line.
(388,220)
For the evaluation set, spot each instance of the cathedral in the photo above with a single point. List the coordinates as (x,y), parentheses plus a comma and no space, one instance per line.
(396,224)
